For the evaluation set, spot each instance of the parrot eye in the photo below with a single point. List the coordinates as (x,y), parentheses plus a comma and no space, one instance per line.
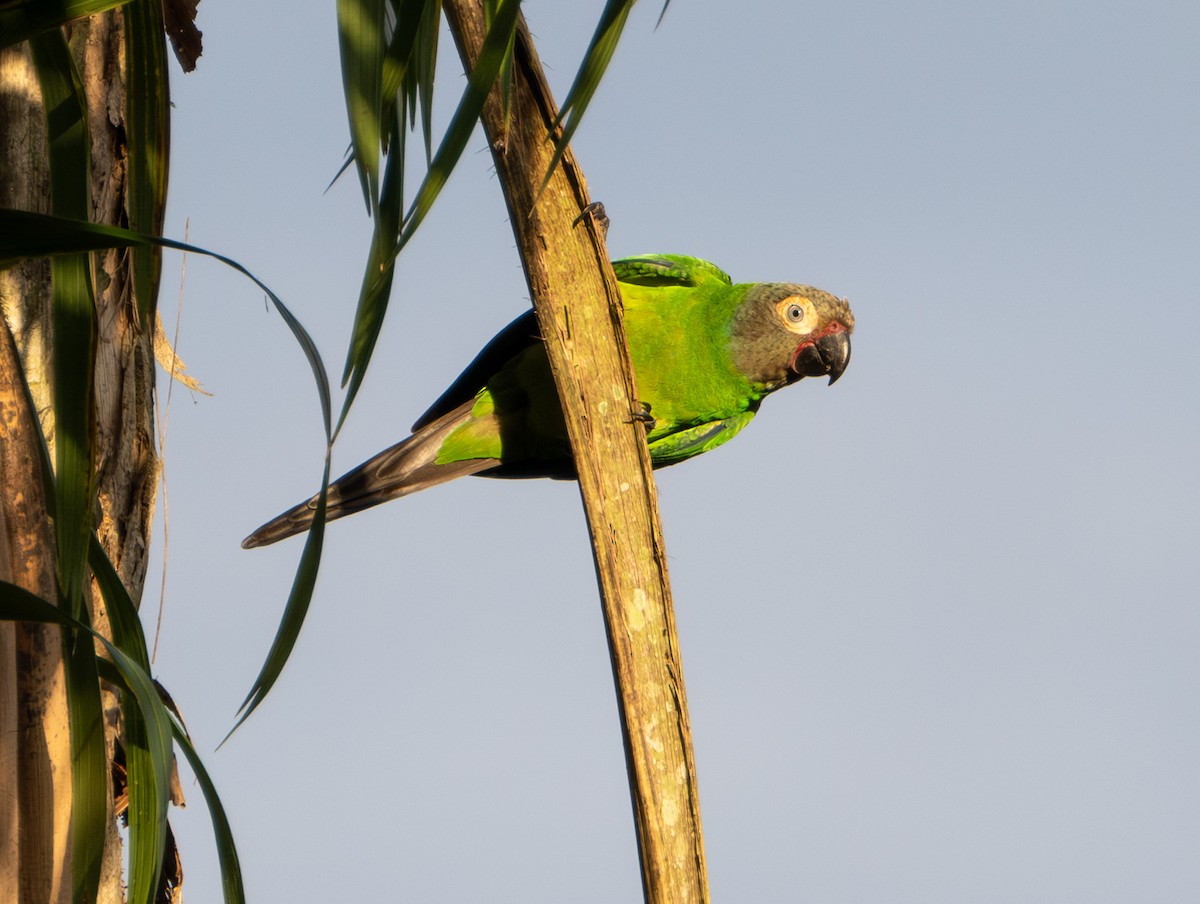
(797,313)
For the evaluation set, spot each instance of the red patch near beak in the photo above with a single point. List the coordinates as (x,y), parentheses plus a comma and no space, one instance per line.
(824,353)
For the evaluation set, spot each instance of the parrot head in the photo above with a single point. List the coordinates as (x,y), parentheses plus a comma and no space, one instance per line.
(784,332)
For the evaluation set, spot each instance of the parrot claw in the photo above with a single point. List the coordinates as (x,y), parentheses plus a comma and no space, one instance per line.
(596,211)
(641,415)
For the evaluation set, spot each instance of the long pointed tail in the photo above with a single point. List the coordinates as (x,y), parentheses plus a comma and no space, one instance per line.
(399,470)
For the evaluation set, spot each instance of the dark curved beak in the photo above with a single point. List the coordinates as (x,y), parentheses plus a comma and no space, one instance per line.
(828,355)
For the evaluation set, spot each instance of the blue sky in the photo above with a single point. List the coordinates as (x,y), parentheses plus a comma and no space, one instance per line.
(938,621)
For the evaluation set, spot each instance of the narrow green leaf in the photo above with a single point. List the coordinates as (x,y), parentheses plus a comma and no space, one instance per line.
(18,604)
(458,133)
(662,13)
(90,779)
(346,164)
(425,67)
(295,611)
(413,30)
(408,30)
(152,732)
(147,122)
(506,68)
(74,371)
(22,19)
(595,61)
(73,355)
(129,638)
(391,233)
(148,759)
(123,617)
(25,235)
(361,40)
(147,813)
(227,856)
(74,312)
(377,279)
(386,244)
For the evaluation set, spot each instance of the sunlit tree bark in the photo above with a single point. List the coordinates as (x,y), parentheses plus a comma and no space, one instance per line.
(35,763)
(578,308)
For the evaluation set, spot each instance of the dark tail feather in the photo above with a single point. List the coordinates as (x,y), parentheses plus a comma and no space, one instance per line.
(399,470)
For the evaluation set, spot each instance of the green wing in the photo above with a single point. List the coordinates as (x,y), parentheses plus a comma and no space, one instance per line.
(669,270)
(683,444)
(506,345)
(642,270)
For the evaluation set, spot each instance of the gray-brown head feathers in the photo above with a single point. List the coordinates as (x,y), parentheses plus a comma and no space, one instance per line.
(783,331)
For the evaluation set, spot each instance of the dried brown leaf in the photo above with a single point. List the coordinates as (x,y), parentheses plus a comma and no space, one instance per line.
(179,18)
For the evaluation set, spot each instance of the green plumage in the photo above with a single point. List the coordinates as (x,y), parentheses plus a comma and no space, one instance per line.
(705,353)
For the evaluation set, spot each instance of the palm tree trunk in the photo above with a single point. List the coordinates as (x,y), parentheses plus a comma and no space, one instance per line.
(35,761)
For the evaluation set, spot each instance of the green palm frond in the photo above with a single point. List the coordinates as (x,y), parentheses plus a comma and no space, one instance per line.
(22,19)
(148,729)
(73,314)
(73,311)
(150,733)
(402,42)
(362,39)
(393,227)
(147,124)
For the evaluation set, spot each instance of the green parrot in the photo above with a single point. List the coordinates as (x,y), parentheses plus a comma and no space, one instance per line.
(705,353)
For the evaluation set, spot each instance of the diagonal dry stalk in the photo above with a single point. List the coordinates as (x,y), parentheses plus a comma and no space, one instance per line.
(578,307)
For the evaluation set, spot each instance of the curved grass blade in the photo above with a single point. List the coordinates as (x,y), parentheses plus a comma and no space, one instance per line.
(294,612)
(25,235)
(227,856)
(23,19)
(148,753)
